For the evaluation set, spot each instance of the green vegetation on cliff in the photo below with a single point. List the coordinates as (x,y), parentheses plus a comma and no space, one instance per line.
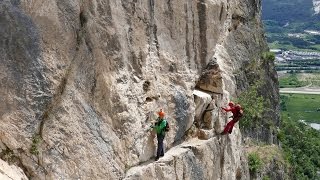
(264,157)
(300,142)
(253,100)
(255,162)
(252,113)
(301,145)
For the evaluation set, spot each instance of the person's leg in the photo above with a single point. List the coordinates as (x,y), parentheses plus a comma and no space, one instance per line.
(224,130)
(160,146)
(228,127)
(162,150)
(232,123)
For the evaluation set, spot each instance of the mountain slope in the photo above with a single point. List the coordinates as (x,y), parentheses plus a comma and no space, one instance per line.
(292,25)
(284,11)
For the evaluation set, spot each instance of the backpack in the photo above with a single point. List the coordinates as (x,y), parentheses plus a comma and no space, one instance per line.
(167,128)
(240,113)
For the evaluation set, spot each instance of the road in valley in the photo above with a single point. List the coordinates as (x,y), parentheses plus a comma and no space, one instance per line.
(304,90)
(301,90)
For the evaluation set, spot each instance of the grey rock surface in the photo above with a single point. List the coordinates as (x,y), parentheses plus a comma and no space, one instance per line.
(81,82)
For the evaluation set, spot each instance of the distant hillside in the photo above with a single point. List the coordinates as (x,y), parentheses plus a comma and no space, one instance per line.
(284,11)
(288,24)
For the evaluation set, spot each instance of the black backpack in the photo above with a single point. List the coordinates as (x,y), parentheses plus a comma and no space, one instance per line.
(240,113)
(167,128)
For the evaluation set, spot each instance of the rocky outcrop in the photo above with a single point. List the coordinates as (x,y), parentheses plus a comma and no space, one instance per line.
(273,164)
(11,172)
(251,68)
(316,6)
(81,82)
(195,160)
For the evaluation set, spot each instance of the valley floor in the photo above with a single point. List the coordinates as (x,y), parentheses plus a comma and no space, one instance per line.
(301,90)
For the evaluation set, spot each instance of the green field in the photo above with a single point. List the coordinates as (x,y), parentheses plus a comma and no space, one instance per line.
(301,107)
(292,80)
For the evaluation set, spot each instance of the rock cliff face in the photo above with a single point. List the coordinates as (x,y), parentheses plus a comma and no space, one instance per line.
(316,6)
(81,81)
(9,172)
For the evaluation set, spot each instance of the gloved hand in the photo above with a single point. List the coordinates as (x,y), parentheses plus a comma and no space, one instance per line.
(151,126)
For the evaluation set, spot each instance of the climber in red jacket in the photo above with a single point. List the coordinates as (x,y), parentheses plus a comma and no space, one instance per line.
(237,113)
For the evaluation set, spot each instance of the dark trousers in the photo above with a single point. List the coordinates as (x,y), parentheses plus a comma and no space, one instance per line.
(160,150)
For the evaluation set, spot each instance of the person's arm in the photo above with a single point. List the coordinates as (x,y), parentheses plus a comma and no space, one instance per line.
(153,126)
(226,109)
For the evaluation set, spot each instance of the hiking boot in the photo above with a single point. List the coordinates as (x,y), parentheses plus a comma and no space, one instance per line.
(157,158)
(223,133)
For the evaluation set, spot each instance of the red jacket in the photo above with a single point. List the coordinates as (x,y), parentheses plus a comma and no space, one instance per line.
(234,111)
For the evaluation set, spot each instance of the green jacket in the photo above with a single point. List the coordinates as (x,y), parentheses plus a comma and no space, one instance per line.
(160,126)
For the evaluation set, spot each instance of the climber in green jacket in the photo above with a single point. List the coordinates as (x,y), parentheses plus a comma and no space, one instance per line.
(160,128)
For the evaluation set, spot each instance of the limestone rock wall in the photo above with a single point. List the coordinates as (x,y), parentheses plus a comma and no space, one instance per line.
(11,172)
(81,81)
